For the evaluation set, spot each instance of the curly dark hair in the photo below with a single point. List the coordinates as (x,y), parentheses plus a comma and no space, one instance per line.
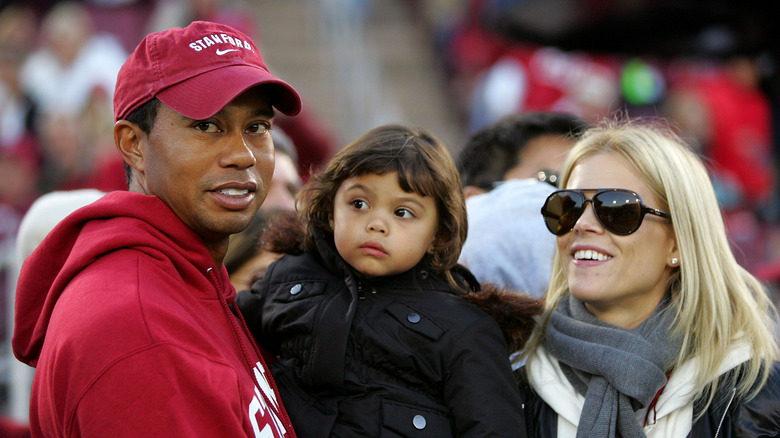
(424,166)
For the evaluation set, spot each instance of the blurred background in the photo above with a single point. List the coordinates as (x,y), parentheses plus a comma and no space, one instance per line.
(451,66)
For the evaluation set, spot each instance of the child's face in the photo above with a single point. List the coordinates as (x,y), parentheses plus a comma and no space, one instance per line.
(380,229)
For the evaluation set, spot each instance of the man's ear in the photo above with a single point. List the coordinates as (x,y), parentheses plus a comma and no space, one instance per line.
(130,140)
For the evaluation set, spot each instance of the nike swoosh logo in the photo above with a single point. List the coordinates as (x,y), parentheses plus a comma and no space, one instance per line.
(222,52)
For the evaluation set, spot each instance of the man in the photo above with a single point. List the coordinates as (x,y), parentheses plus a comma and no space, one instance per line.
(125,308)
(502,165)
(517,146)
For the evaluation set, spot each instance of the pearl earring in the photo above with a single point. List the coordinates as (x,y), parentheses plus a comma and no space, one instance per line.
(674,261)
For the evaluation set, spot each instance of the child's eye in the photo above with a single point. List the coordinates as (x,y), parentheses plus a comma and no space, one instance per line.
(404,213)
(359,204)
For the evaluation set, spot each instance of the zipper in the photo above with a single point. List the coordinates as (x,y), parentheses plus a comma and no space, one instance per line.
(361,295)
(361,290)
(726,411)
(232,318)
(235,319)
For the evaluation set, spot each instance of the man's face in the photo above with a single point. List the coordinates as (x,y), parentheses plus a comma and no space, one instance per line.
(545,152)
(212,173)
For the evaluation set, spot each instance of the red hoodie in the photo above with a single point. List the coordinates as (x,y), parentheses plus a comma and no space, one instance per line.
(127,319)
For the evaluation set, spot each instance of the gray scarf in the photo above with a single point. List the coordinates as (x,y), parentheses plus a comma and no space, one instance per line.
(617,370)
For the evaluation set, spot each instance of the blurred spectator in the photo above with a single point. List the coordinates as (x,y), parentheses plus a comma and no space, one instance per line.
(313,142)
(179,13)
(70,158)
(738,141)
(506,244)
(504,223)
(532,78)
(19,170)
(18,151)
(492,76)
(467,49)
(17,31)
(125,19)
(98,126)
(71,62)
(286,181)
(9,223)
(720,108)
(517,146)
(70,79)
(444,18)
(65,164)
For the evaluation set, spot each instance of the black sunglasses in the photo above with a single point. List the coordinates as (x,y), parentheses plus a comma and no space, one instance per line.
(619,211)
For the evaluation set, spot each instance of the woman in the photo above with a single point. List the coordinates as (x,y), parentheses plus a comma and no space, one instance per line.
(650,327)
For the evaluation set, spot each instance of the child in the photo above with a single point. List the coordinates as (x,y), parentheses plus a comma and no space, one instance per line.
(368,318)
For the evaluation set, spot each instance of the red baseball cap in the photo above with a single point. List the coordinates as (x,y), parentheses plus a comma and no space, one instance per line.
(196,71)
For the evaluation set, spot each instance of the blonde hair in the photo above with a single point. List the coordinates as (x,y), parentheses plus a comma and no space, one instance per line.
(717,302)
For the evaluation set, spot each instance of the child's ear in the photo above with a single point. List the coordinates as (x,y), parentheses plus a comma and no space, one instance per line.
(330,222)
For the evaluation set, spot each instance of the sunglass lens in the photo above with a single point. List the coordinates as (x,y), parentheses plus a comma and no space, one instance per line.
(620,212)
(561,211)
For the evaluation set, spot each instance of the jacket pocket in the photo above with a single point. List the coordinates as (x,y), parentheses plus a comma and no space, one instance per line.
(290,311)
(405,420)
(293,291)
(415,321)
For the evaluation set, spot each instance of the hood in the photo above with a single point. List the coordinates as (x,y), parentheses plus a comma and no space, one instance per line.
(118,220)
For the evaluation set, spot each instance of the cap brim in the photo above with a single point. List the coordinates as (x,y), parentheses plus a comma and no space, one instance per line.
(202,96)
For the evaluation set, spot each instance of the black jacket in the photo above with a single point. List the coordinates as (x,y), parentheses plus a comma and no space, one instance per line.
(401,356)
(726,417)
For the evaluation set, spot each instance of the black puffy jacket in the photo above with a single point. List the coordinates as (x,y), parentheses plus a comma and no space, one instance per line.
(726,417)
(400,356)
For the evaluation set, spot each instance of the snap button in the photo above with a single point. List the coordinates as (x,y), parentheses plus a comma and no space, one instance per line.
(295,290)
(413,318)
(419,422)
(423,274)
